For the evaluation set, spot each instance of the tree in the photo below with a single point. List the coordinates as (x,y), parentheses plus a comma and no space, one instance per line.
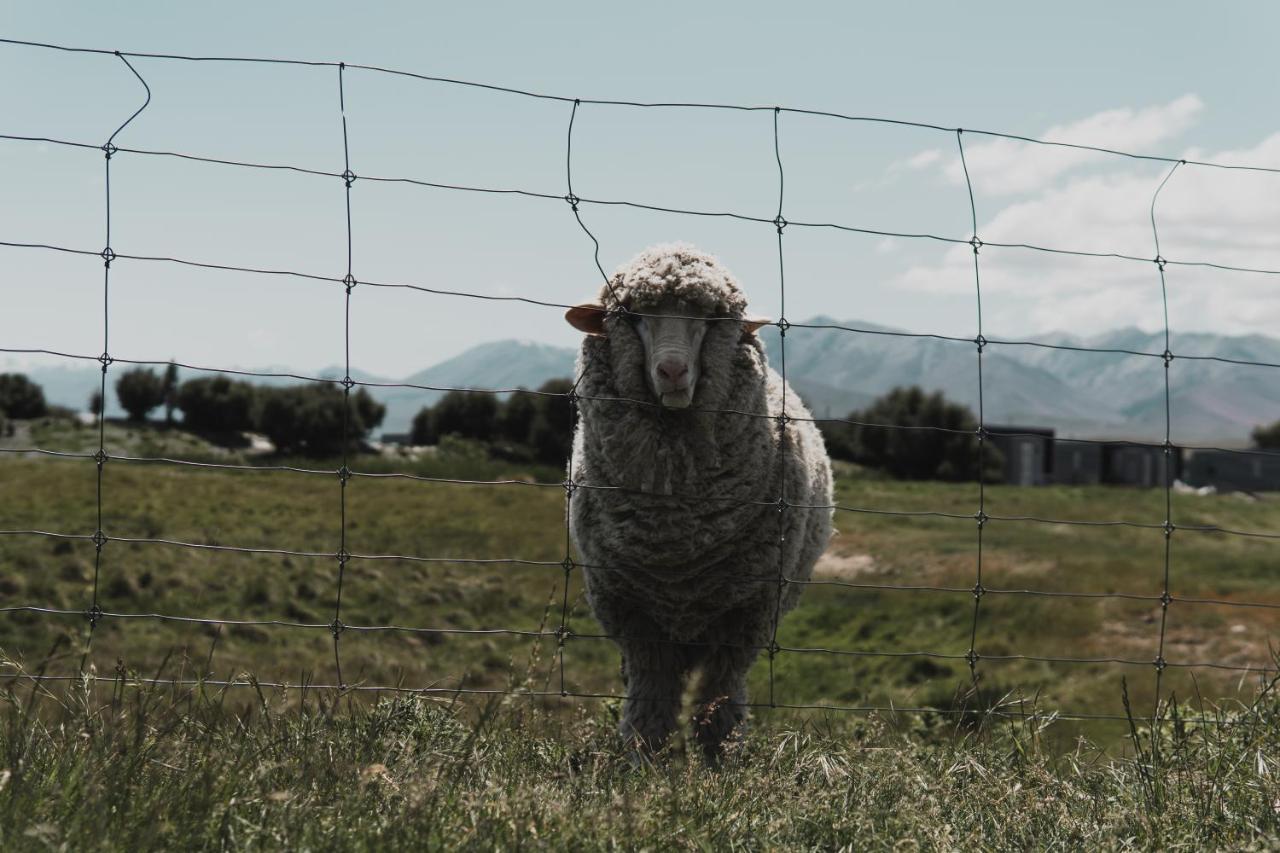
(551,434)
(170,383)
(424,427)
(20,398)
(139,391)
(934,439)
(95,403)
(308,419)
(1267,437)
(515,420)
(469,414)
(217,404)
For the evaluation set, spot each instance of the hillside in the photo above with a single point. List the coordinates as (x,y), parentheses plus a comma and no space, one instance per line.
(1081,394)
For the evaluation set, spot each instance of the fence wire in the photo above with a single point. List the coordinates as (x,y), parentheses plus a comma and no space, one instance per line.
(93,614)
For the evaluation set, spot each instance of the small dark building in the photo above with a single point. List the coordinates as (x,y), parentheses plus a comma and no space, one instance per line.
(1028,453)
(1227,471)
(1077,463)
(1140,465)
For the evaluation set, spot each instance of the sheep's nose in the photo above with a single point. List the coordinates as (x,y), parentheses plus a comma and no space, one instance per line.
(673,370)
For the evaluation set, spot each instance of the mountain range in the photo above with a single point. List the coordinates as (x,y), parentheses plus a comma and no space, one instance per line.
(1080,394)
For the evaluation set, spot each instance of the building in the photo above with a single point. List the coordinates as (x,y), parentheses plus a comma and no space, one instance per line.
(1141,465)
(1237,471)
(1077,463)
(1028,453)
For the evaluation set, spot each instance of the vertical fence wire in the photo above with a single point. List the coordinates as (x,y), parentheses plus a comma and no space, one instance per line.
(94,613)
(779,223)
(972,656)
(344,474)
(1167,358)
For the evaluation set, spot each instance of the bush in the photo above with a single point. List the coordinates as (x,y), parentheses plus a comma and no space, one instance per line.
(217,404)
(551,435)
(524,428)
(307,419)
(468,414)
(1267,437)
(20,398)
(913,454)
(515,421)
(170,384)
(423,430)
(139,391)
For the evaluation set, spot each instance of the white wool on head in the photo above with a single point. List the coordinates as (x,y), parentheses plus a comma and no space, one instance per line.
(679,271)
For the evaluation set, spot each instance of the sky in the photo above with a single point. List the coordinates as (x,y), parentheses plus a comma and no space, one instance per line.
(1169,79)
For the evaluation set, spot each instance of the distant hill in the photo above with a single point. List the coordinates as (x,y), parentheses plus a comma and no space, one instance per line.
(1081,394)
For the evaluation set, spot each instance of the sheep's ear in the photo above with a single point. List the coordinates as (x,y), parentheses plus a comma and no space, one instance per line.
(587,318)
(751,325)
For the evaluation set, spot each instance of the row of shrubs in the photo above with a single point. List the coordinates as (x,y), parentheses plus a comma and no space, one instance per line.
(298,419)
(528,426)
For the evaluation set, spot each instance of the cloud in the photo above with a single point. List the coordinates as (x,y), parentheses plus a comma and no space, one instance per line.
(1203,214)
(1008,166)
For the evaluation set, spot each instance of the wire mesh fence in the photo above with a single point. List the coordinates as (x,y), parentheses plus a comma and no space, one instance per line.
(560,630)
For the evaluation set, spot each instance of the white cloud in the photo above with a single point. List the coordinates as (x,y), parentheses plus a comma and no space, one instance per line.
(1203,214)
(1007,166)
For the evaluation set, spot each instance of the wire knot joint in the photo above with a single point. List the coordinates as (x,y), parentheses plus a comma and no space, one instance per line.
(348,177)
(780,222)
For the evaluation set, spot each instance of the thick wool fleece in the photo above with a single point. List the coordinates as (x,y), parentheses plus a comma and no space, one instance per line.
(682,561)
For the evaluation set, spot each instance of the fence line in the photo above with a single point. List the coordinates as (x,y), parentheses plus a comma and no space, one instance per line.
(563,633)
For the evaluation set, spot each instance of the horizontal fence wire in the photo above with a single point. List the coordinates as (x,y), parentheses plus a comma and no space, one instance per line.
(93,614)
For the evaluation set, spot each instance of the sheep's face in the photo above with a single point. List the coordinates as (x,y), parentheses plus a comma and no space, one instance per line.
(671,334)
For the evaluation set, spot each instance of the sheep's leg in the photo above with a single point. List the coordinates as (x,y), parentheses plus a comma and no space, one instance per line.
(654,675)
(721,697)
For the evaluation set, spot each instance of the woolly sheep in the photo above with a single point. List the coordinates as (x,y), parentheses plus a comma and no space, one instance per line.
(682,559)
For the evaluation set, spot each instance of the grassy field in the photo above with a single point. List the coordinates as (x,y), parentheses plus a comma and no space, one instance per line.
(390,517)
(141,768)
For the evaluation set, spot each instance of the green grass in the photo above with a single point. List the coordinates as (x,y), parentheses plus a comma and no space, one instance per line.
(390,516)
(134,767)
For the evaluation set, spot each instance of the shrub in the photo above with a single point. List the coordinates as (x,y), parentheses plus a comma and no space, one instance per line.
(217,404)
(1267,437)
(308,419)
(20,398)
(468,414)
(551,435)
(170,384)
(948,452)
(139,391)
(515,421)
(423,430)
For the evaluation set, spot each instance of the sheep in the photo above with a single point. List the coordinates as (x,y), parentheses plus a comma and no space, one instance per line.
(693,501)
